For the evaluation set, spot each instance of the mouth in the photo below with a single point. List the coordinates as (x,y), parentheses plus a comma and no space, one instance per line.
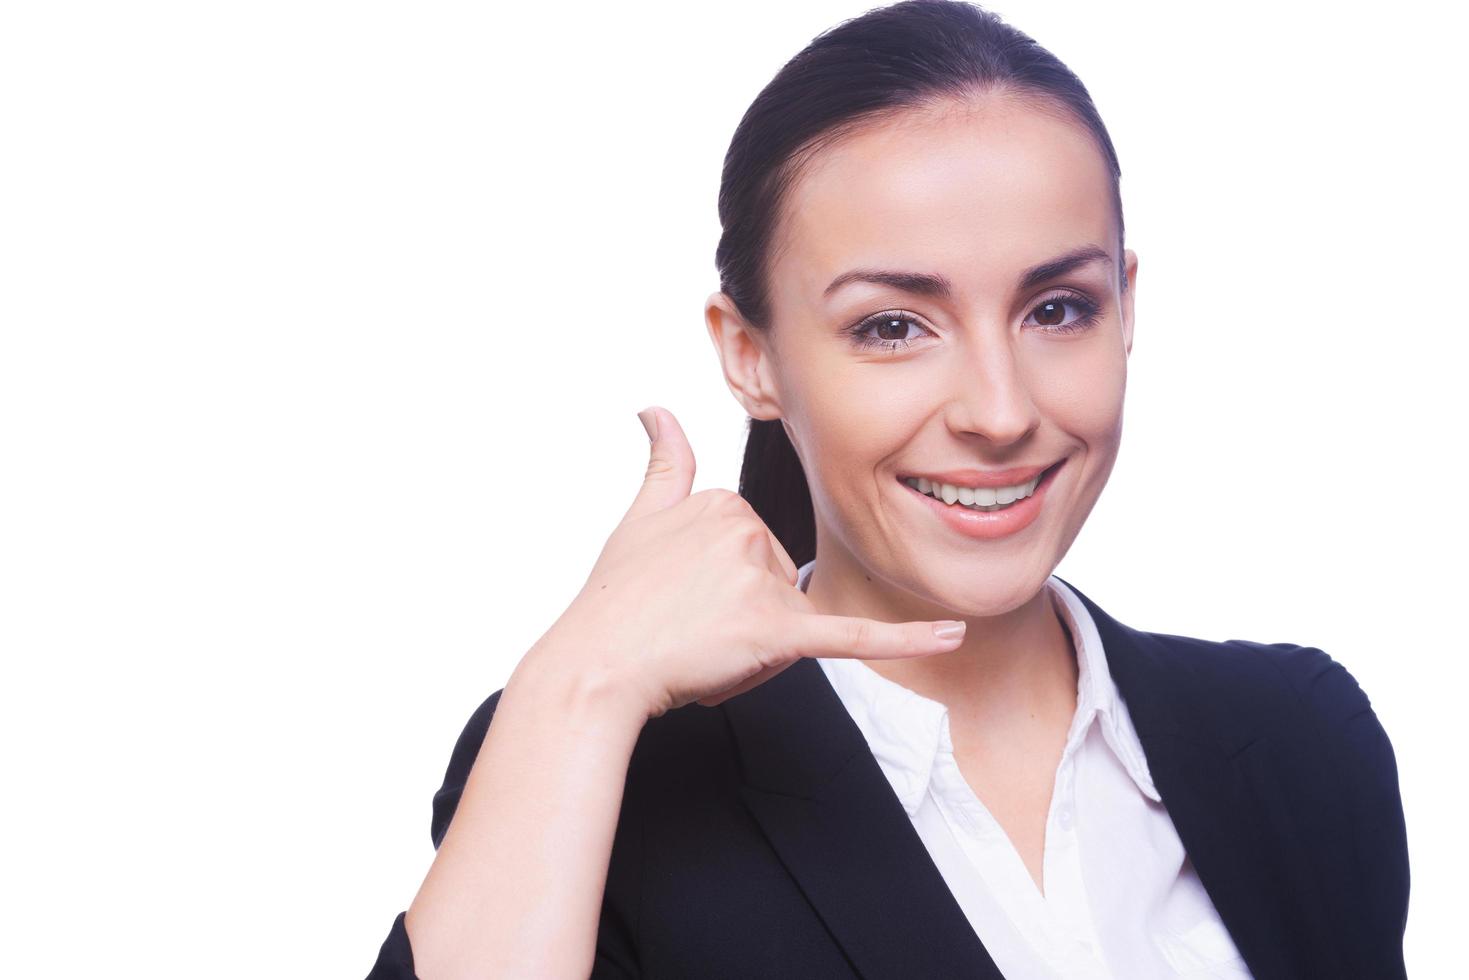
(979,491)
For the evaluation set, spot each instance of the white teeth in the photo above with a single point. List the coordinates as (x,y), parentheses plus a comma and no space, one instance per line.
(977,498)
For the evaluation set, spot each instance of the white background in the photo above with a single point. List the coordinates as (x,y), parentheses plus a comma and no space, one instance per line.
(325,324)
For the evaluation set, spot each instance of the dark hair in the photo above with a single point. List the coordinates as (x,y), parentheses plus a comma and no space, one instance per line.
(885,61)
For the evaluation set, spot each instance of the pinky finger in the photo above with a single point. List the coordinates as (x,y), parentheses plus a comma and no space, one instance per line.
(822,635)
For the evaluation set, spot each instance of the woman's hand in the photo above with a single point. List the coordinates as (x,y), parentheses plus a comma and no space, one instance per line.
(693,598)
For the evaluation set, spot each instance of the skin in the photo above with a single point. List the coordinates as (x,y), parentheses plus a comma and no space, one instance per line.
(976,191)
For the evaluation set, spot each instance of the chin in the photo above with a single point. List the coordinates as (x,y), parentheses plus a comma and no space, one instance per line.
(979,595)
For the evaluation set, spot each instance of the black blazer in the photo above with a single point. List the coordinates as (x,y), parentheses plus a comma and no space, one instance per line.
(759,838)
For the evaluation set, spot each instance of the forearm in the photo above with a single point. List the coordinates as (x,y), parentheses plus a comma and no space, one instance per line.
(516,887)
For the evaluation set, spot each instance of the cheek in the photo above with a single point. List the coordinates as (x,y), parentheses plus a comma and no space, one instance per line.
(859,423)
(853,418)
(1082,391)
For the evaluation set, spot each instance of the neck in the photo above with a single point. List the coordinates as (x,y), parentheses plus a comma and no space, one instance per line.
(1012,668)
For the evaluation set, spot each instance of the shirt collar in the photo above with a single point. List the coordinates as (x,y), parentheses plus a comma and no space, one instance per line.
(906,731)
(1095,689)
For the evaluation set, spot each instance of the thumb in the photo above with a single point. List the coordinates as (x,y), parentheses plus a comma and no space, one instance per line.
(670,472)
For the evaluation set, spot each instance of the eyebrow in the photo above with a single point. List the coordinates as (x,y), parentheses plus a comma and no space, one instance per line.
(939,287)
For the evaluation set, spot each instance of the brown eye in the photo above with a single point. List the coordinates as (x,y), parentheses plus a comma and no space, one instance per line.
(888,331)
(891,328)
(1051,313)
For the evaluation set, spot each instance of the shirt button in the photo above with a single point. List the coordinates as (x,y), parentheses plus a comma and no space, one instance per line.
(1064,818)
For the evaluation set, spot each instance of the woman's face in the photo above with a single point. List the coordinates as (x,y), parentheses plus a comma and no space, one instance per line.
(1008,366)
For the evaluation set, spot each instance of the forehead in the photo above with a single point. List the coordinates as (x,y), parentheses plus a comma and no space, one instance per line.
(976,192)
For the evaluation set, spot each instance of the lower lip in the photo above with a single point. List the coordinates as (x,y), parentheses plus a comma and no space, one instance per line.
(988,525)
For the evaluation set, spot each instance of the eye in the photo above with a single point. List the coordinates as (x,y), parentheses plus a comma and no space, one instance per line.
(887,330)
(1050,313)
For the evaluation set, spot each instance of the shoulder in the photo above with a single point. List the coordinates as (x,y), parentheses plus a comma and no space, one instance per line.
(1317,682)
(1304,701)
(1318,719)
(1329,761)
(1238,685)
(1304,682)
(1319,694)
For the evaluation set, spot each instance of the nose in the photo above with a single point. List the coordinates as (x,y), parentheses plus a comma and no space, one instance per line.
(989,394)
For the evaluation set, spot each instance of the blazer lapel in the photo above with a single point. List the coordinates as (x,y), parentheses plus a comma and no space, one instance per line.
(1211,757)
(818,794)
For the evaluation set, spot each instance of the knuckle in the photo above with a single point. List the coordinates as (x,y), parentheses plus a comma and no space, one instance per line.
(717,496)
(659,466)
(752,537)
(767,654)
(733,504)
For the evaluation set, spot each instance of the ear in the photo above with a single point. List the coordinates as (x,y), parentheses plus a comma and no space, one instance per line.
(745,357)
(1129,266)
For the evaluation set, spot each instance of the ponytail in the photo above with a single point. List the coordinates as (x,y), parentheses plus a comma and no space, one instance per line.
(773,483)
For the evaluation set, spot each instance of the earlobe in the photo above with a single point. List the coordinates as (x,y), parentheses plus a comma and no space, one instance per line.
(741,356)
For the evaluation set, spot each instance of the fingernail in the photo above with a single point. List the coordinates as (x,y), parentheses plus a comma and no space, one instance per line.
(649,418)
(947,629)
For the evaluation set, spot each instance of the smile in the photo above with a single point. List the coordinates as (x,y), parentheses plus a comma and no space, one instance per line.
(979,498)
(962,488)
(943,496)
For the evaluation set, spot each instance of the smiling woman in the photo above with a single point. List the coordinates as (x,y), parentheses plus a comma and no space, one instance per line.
(943,299)
(931,756)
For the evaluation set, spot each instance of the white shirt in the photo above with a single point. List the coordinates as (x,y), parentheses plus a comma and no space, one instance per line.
(1121,901)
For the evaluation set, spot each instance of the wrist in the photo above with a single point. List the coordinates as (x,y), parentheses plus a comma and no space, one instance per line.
(578,689)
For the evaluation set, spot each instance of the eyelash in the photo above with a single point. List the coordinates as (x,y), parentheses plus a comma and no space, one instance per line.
(1089,315)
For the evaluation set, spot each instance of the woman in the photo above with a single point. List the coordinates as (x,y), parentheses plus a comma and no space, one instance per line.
(930,757)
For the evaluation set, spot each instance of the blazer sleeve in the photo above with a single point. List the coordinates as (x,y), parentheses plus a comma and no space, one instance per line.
(1363,755)
(616,957)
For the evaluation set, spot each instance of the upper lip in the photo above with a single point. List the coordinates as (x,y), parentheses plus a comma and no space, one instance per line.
(983,478)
